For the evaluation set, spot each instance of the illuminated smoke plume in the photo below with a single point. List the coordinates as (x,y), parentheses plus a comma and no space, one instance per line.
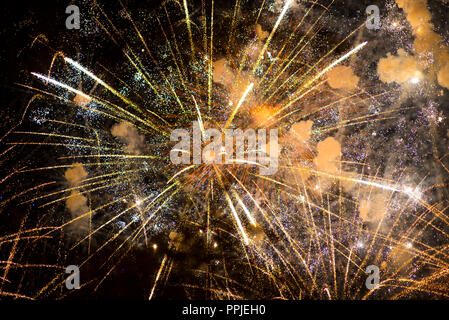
(81,100)
(76,202)
(401,68)
(129,135)
(223,74)
(326,155)
(301,131)
(254,48)
(430,53)
(75,175)
(374,209)
(298,138)
(261,34)
(234,81)
(329,154)
(342,77)
(295,5)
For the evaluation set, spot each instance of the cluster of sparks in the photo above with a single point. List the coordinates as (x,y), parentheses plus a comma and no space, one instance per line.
(296,234)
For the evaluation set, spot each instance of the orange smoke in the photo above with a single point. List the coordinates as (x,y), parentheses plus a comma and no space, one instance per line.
(76,202)
(81,100)
(128,134)
(75,175)
(400,68)
(428,44)
(342,77)
(373,210)
(262,114)
(329,154)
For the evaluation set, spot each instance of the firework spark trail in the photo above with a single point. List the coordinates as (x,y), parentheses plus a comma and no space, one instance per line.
(241,101)
(91,75)
(301,260)
(289,59)
(273,31)
(315,78)
(233,210)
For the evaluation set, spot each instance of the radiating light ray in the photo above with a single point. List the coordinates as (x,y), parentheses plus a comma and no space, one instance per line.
(273,31)
(239,104)
(296,231)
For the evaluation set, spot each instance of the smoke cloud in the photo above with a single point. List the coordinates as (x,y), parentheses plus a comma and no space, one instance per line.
(401,68)
(75,175)
(429,51)
(373,210)
(329,154)
(237,82)
(129,135)
(342,77)
(301,131)
(76,202)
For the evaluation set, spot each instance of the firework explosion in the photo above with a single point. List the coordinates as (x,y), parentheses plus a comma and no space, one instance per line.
(362,160)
